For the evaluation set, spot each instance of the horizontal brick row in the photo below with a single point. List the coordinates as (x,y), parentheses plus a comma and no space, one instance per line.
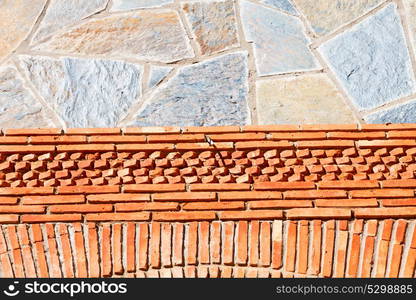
(303,248)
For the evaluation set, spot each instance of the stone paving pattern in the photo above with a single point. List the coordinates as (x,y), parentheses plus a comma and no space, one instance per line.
(121,63)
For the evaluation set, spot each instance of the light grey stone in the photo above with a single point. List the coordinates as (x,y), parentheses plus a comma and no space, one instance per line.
(63,13)
(152,35)
(371,60)
(85,92)
(404,113)
(157,74)
(284,5)
(209,93)
(280,43)
(18,107)
(120,5)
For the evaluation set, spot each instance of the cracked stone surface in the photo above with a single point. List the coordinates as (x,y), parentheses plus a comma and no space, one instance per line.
(146,35)
(210,93)
(18,107)
(213,23)
(326,16)
(63,13)
(284,5)
(85,93)
(301,100)
(157,74)
(372,60)
(120,5)
(16,21)
(280,44)
(404,113)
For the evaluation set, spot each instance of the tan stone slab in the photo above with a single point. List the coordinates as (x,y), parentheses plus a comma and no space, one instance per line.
(410,8)
(300,100)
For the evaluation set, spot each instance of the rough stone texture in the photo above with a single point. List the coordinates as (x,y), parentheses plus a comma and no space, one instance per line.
(85,93)
(410,8)
(213,92)
(301,100)
(284,5)
(280,44)
(148,35)
(404,113)
(326,16)
(18,107)
(213,23)
(17,18)
(63,13)
(157,74)
(372,61)
(120,5)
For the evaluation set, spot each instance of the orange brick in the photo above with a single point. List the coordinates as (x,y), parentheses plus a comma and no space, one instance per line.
(106,261)
(382,193)
(283,185)
(254,243)
(242,246)
(348,184)
(183,216)
(203,242)
(144,147)
(291,244)
(248,215)
(79,257)
(26,191)
(325,144)
(33,131)
(219,187)
(18,209)
(342,242)
(131,247)
(298,135)
(277,244)
(204,146)
(402,183)
(84,148)
(249,195)
(8,200)
(191,243)
(87,189)
(215,242)
(279,204)
(382,213)
(386,143)
(152,130)
(387,230)
(92,131)
(66,251)
(57,139)
(328,254)
(303,247)
(329,127)
(400,231)
(110,198)
(143,244)
(237,136)
(381,262)
(10,140)
(138,216)
(308,194)
(228,243)
(129,188)
(320,213)
(185,196)
(178,233)
(51,218)
(93,256)
(263,145)
(155,243)
(211,129)
(80,208)
(213,206)
(265,239)
(346,203)
(124,207)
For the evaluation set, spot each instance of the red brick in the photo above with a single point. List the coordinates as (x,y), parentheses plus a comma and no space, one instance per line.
(129,188)
(237,137)
(93,256)
(283,185)
(110,198)
(308,194)
(342,242)
(382,193)
(178,244)
(249,195)
(242,246)
(262,145)
(211,129)
(143,244)
(33,131)
(106,261)
(386,143)
(213,206)
(10,209)
(357,135)
(329,127)
(51,218)
(79,257)
(63,199)
(254,243)
(265,245)
(324,144)
(402,212)
(348,184)
(228,243)
(203,242)
(80,208)
(92,131)
(249,215)
(401,183)
(66,251)
(57,139)
(279,204)
(10,140)
(131,247)
(215,242)
(152,130)
(137,216)
(85,147)
(399,202)
(319,213)
(346,203)
(183,216)
(26,191)
(144,147)
(329,249)
(192,244)
(400,231)
(8,200)
(185,196)
(291,246)
(220,187)
(298,135)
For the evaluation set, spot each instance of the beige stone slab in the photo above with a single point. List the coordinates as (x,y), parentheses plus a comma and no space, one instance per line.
(410,8)
(304,99)
(327,15)
(17,18)
(153,35)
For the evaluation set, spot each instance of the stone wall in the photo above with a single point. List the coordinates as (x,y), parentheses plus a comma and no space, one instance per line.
(122,63)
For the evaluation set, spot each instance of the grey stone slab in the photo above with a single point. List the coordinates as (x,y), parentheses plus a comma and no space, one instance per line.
(157,74)
(404,113)
(18,107)
(284,5)
(209,93)
(85,92)
(280,43)
(372,61)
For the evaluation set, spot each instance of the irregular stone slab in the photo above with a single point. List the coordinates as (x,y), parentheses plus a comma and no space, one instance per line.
(18,107)
(213,23)
(284,5)
(280,44)
(372,61)
(326,16)
(209,93)
(306,99)
(157,74)
(63,13)
(410,8)
(85,93)
(119,5)
(17,18)
(404,113)
(147,35)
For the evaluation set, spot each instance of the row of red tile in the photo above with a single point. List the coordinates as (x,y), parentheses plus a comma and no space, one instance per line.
(307,248)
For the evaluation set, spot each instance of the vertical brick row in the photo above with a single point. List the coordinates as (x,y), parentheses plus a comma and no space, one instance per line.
(277,244)
(369,243)
(328,254)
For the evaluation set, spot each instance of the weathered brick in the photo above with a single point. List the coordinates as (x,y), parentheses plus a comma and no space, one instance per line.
(131,188)
(220,187)
(185,196)
(183,216)
(283,185)
(318,213)
(51,218)
(250,215)
(137,216)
